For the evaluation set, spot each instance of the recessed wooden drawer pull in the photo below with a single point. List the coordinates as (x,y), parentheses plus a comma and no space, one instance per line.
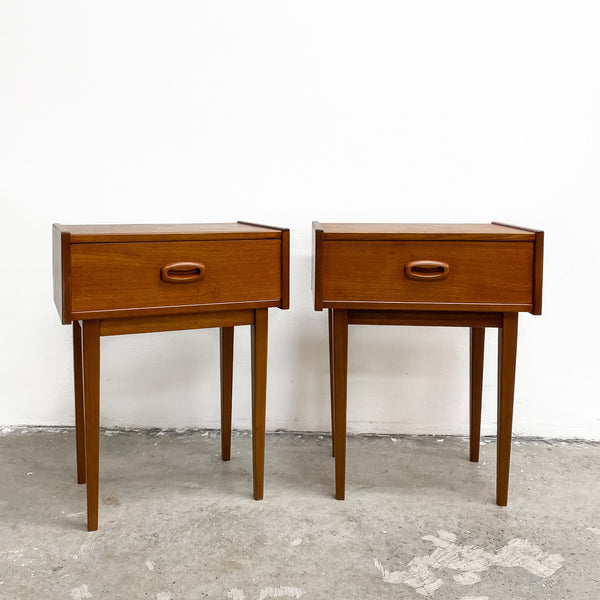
(182,272)
(426,270)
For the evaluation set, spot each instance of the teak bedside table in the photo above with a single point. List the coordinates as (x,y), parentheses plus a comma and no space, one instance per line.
(474,276)
(122,279)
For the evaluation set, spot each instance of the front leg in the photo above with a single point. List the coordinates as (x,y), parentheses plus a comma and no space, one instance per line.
(340,379)
(507,360)
(259,398)
(91,386)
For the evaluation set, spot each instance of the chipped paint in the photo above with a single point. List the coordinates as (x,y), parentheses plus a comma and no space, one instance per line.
(419,577)
(470,561)
(81,592)
(467,578)
(280,592)
(268,592)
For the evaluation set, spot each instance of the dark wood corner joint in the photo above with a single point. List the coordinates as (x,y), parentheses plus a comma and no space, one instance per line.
(124,279)
(460,275)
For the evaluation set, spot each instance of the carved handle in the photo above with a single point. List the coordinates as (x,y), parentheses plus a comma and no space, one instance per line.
(182,272)
(426,270)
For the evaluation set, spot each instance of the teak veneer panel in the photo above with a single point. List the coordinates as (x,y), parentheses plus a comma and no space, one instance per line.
(424,231)
(479,272)
(87,234)
(490,266)
(127,275)
(109,271)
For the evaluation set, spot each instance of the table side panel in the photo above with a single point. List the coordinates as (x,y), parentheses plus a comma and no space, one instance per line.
(61,273)
(485,273)
(113,276)
(317,265)
(538,273)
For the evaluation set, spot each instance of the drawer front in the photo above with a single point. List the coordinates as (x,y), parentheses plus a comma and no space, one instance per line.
(113,276)
(428,272)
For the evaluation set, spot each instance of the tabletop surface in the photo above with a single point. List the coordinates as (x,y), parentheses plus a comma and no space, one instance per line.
(167,232)
(412,231)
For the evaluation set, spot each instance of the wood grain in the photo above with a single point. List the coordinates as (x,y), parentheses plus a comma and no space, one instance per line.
(111,276)
(170,232)
(424,318)
(490,273)
(176,322)
(424,231)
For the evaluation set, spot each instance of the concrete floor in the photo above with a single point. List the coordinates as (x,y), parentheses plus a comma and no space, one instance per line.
(176,523)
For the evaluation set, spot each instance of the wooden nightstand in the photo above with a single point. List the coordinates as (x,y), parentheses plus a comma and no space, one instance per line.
(122,279)
(474,276)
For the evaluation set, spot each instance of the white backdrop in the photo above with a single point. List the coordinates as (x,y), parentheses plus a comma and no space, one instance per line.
(284,113)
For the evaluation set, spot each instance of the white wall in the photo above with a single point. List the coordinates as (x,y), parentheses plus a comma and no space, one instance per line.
(287,112)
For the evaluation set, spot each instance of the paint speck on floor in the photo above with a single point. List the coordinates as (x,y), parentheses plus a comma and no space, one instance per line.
(164,596)
(268,592)
(150,565)
(470,561)
(296,542)
(81,592)
(467,578)
(280,592)
(419,577)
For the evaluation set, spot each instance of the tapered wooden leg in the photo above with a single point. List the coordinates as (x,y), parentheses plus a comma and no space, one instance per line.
(91,386)
(79,410)
(259,397)
(340,378)
(226,341)
(507,358)
(476,389)
(331,379)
